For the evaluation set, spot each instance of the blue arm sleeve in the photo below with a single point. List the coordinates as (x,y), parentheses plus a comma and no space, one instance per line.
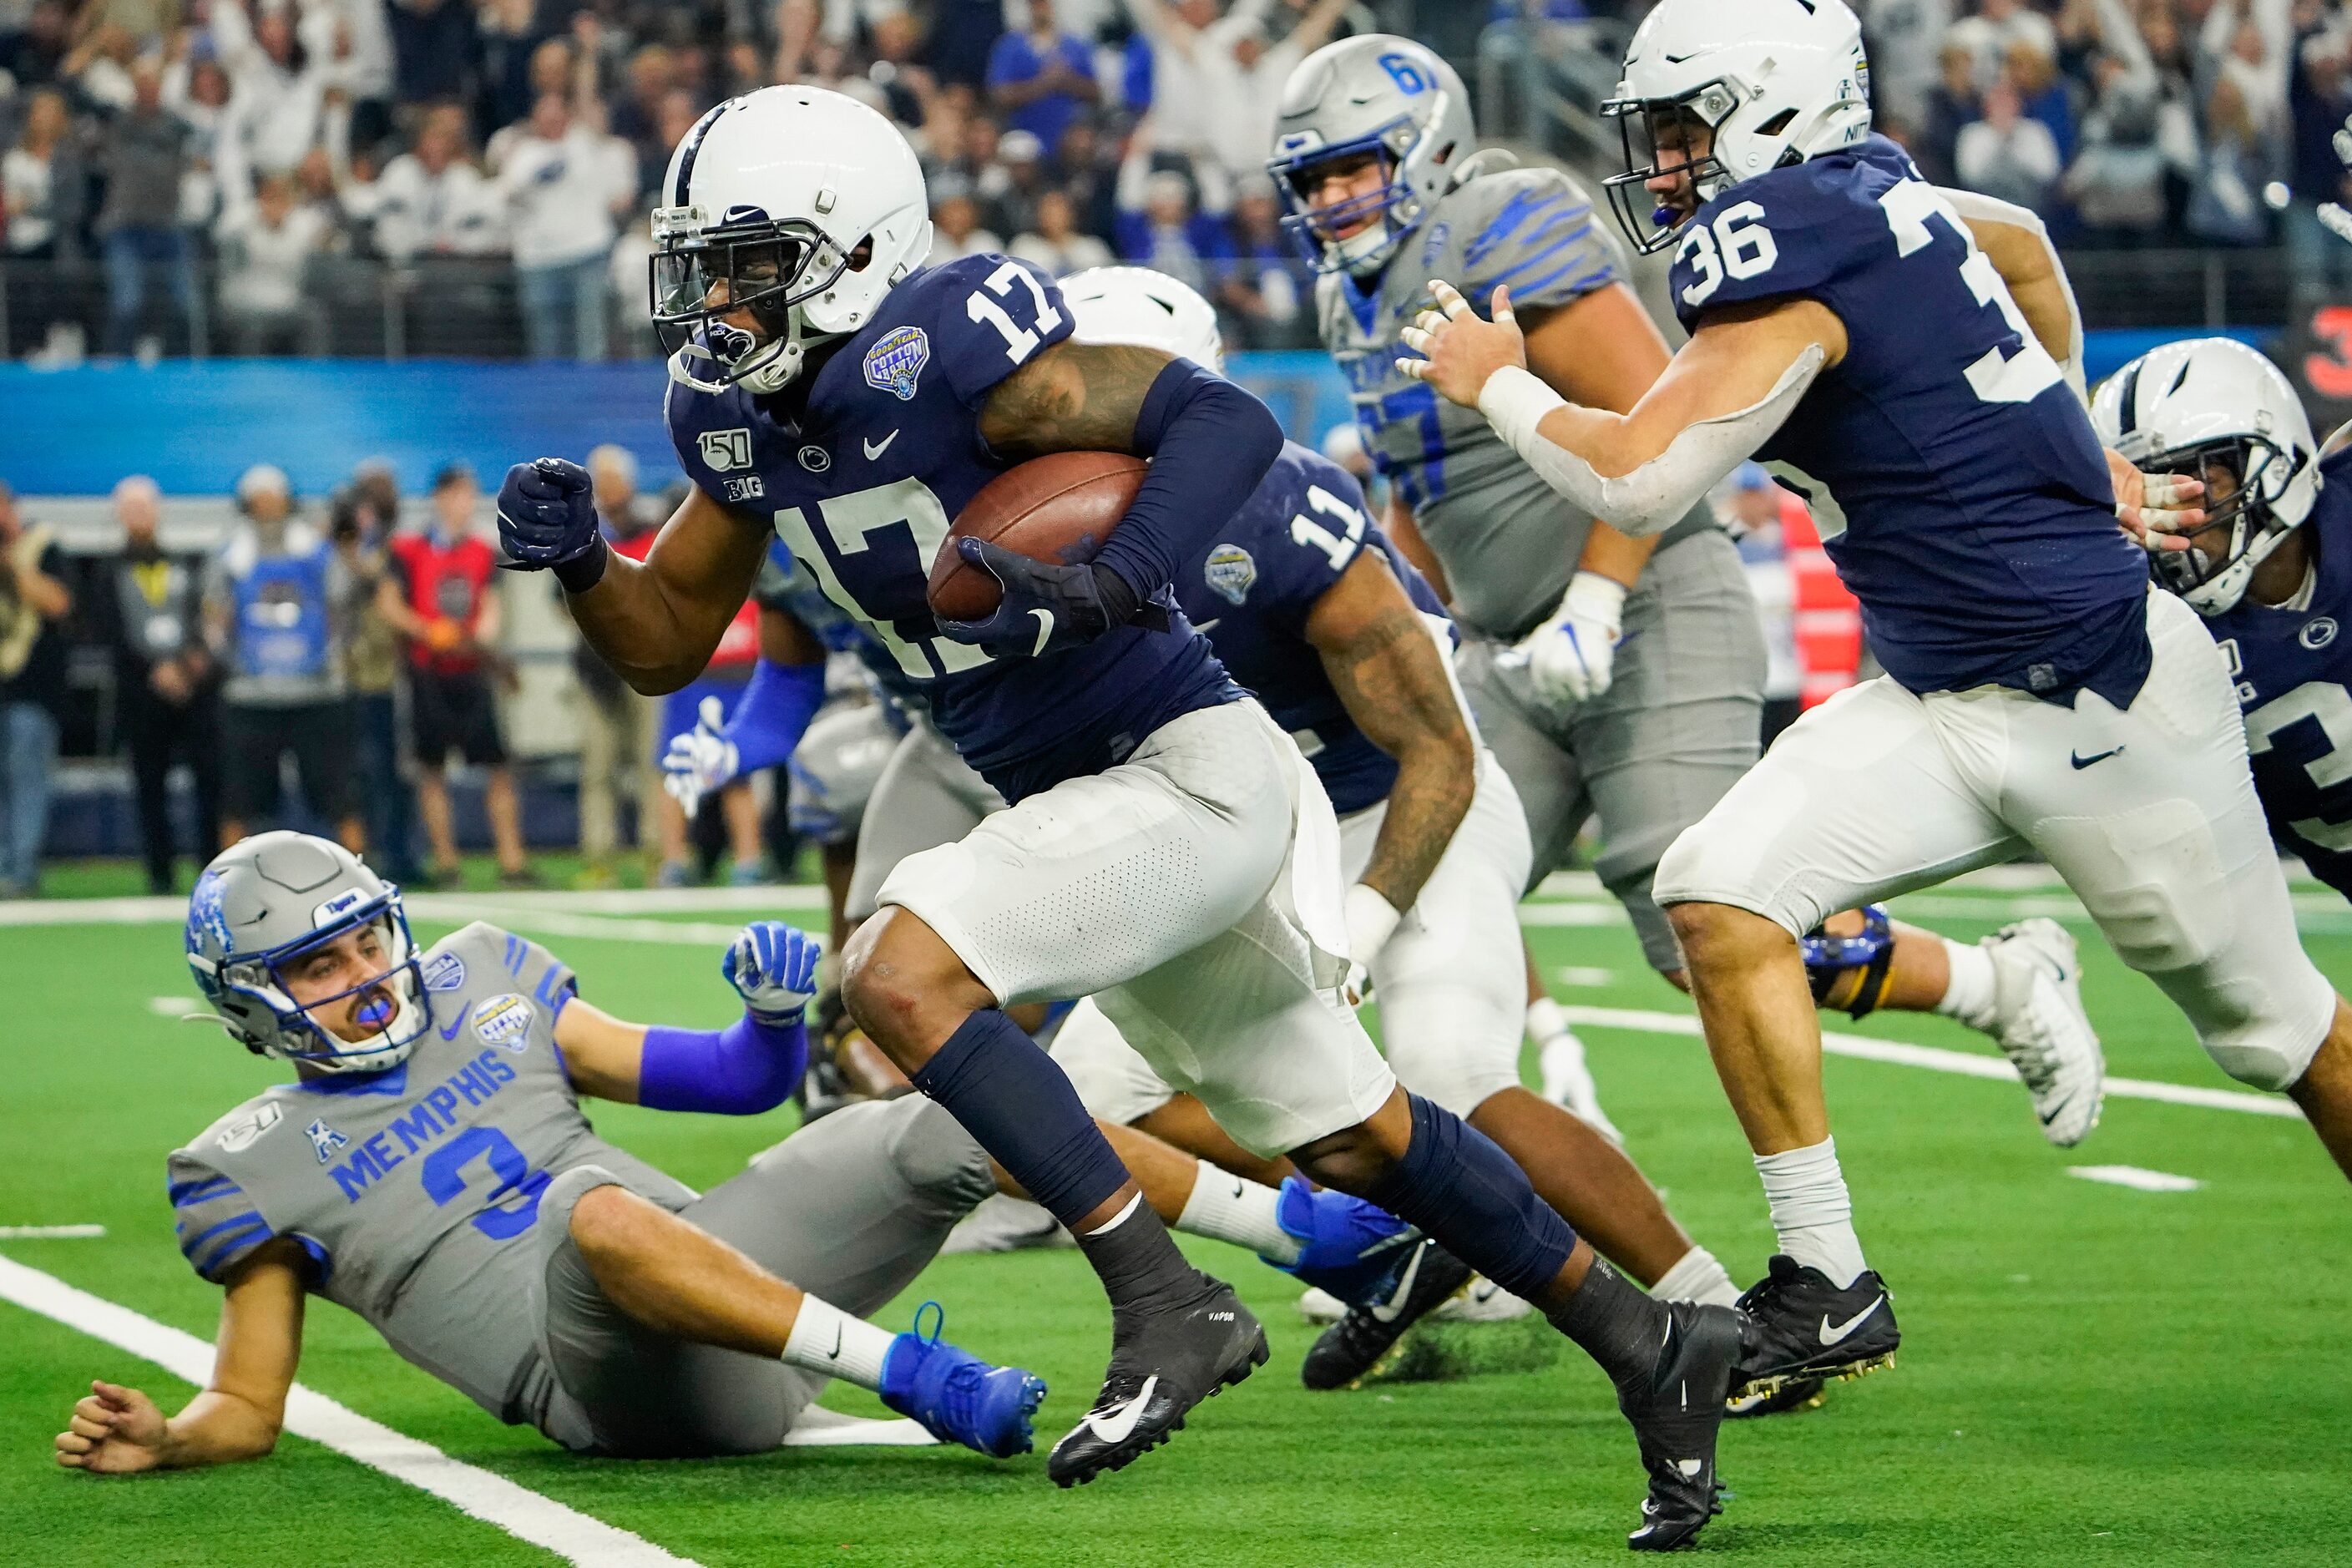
(1209,444)
(741,1070)
(775,713)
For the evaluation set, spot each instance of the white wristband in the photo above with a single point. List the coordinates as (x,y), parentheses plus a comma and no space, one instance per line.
(1515,401)
(1371,920)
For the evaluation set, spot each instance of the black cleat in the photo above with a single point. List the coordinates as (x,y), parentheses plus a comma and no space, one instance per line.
(1365,1341)
(1807,1329)
(1802,1394)
(1161,1364)
(1676,1410)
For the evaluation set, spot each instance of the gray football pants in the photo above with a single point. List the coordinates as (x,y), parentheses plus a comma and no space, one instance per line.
(926,796)
(849,1209)
(1649,757)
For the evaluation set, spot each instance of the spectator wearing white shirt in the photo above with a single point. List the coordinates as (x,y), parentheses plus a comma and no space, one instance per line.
(566,184)
(1216,82)
(2006,154)
(1055,245)
(433,201)
(266,247)
(277,96)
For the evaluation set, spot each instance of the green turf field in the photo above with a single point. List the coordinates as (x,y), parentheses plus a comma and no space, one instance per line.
(2090,1373)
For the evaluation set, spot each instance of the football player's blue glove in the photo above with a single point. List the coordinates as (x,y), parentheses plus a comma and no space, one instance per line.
(547,519)
(1046,607)
(773,966)
(702,759)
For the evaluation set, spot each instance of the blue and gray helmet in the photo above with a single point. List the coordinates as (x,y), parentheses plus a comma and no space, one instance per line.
(268,901)
(1380,95)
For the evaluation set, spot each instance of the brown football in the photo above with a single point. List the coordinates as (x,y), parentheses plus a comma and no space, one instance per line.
(1058,508)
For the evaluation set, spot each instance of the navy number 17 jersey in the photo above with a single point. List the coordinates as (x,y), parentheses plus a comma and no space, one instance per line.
(1955,479)
(861,483)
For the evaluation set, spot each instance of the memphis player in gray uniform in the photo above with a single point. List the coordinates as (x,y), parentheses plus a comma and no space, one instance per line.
(1849,329)
(1377,151)
(431,1171)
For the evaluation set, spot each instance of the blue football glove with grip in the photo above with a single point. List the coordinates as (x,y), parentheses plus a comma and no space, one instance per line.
(702,759)
(547,519)
(1047,607)
(773,966)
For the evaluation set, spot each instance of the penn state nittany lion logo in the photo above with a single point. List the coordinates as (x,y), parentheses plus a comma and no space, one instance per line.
(1230,573)
(895,361)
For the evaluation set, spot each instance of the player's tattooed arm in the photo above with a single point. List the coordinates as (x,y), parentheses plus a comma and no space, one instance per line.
(1074,397)
(119,1431)
(1390,675)
(657,622)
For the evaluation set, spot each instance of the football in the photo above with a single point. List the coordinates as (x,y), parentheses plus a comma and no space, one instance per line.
(1060,508)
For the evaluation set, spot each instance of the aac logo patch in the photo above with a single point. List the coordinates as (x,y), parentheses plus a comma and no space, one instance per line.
(505,1022)
(325,1140)
(1230,573)
(725,449)
(240,1135)
(895,362)
(445,973)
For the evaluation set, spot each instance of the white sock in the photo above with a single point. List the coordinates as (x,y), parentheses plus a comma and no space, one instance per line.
(827,1340)
(1699,1277)
(1969,997)
(1811,1211)
(1224,1207)
(1544,1020)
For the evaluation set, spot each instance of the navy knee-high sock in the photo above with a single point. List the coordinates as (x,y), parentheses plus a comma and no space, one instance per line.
(994,1078)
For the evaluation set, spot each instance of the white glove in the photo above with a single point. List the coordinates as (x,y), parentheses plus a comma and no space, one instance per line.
(700,759)
(1571,658)
(1371,920)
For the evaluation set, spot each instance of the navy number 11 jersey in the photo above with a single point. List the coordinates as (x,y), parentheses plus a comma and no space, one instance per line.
(1955,479)
(860,481)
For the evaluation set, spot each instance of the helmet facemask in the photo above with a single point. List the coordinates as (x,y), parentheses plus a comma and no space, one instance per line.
(2214,583)
(699,277)
(256,1003)
(1394,210)
(1650,227)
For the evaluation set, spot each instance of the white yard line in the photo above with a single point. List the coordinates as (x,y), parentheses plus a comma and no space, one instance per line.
(492,1498)
(1934,1059)
(796,897)
(2138,1177)
(51,1232)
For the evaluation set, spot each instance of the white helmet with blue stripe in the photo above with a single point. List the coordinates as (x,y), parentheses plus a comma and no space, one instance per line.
(267,902)
(1381,96)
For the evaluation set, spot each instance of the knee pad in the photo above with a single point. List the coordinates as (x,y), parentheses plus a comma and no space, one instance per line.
(2269,1041)
(1850,972)
(933,1152)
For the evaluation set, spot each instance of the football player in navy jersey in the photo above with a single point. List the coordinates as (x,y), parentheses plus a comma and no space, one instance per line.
(1849,329)
(2271,569)
(1166,850)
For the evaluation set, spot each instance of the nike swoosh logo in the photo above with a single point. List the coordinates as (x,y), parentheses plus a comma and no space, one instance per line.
(2081,762)
(1832,1335)
(1118,1425)
(875,448)
(451,1032)
(835,1353)
(1206,625)
(1045,631)
(1386,1310)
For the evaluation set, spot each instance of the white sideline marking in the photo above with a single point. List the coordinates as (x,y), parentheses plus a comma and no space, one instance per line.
(2138,1177)
(454,906)
(492,1498)
(51,1232)
(1935,1059)
(174,1007)
(1585,975)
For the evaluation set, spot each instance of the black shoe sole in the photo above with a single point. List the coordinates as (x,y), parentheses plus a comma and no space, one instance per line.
(1802,1394)
(1776,1383)
(1135,1447)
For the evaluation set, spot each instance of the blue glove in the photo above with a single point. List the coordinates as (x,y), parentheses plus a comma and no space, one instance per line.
(1046,607)
(547,518)
(773,966)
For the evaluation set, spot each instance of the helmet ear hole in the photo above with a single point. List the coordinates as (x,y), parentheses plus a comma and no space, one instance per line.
(861,255)
(1778,123)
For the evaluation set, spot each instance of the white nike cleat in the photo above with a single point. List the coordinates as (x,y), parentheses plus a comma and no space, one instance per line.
(1567,1083)
(2039,1021)
(1317,1305)
(1003,1224)
(1480,1301)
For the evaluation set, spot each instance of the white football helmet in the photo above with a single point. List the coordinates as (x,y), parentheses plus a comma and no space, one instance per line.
(2190,405)
(1137,305)
(772,194)
(1778,81)
(1381,95)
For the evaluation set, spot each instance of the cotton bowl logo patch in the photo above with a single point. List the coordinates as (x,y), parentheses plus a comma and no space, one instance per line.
(895,361)
(325,1140)
(505,1022)
(445,973)
(1229,572)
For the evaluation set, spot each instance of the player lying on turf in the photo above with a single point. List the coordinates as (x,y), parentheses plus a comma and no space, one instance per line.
(2271,569)
(1166,848)
(1847,327)
(1634,706)
(431,1170)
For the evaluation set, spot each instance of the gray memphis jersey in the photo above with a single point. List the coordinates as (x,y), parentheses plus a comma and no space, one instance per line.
(414,1191)
(1507,540)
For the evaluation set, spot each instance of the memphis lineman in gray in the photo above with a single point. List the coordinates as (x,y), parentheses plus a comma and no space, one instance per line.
(1681,721)
(434,1199)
